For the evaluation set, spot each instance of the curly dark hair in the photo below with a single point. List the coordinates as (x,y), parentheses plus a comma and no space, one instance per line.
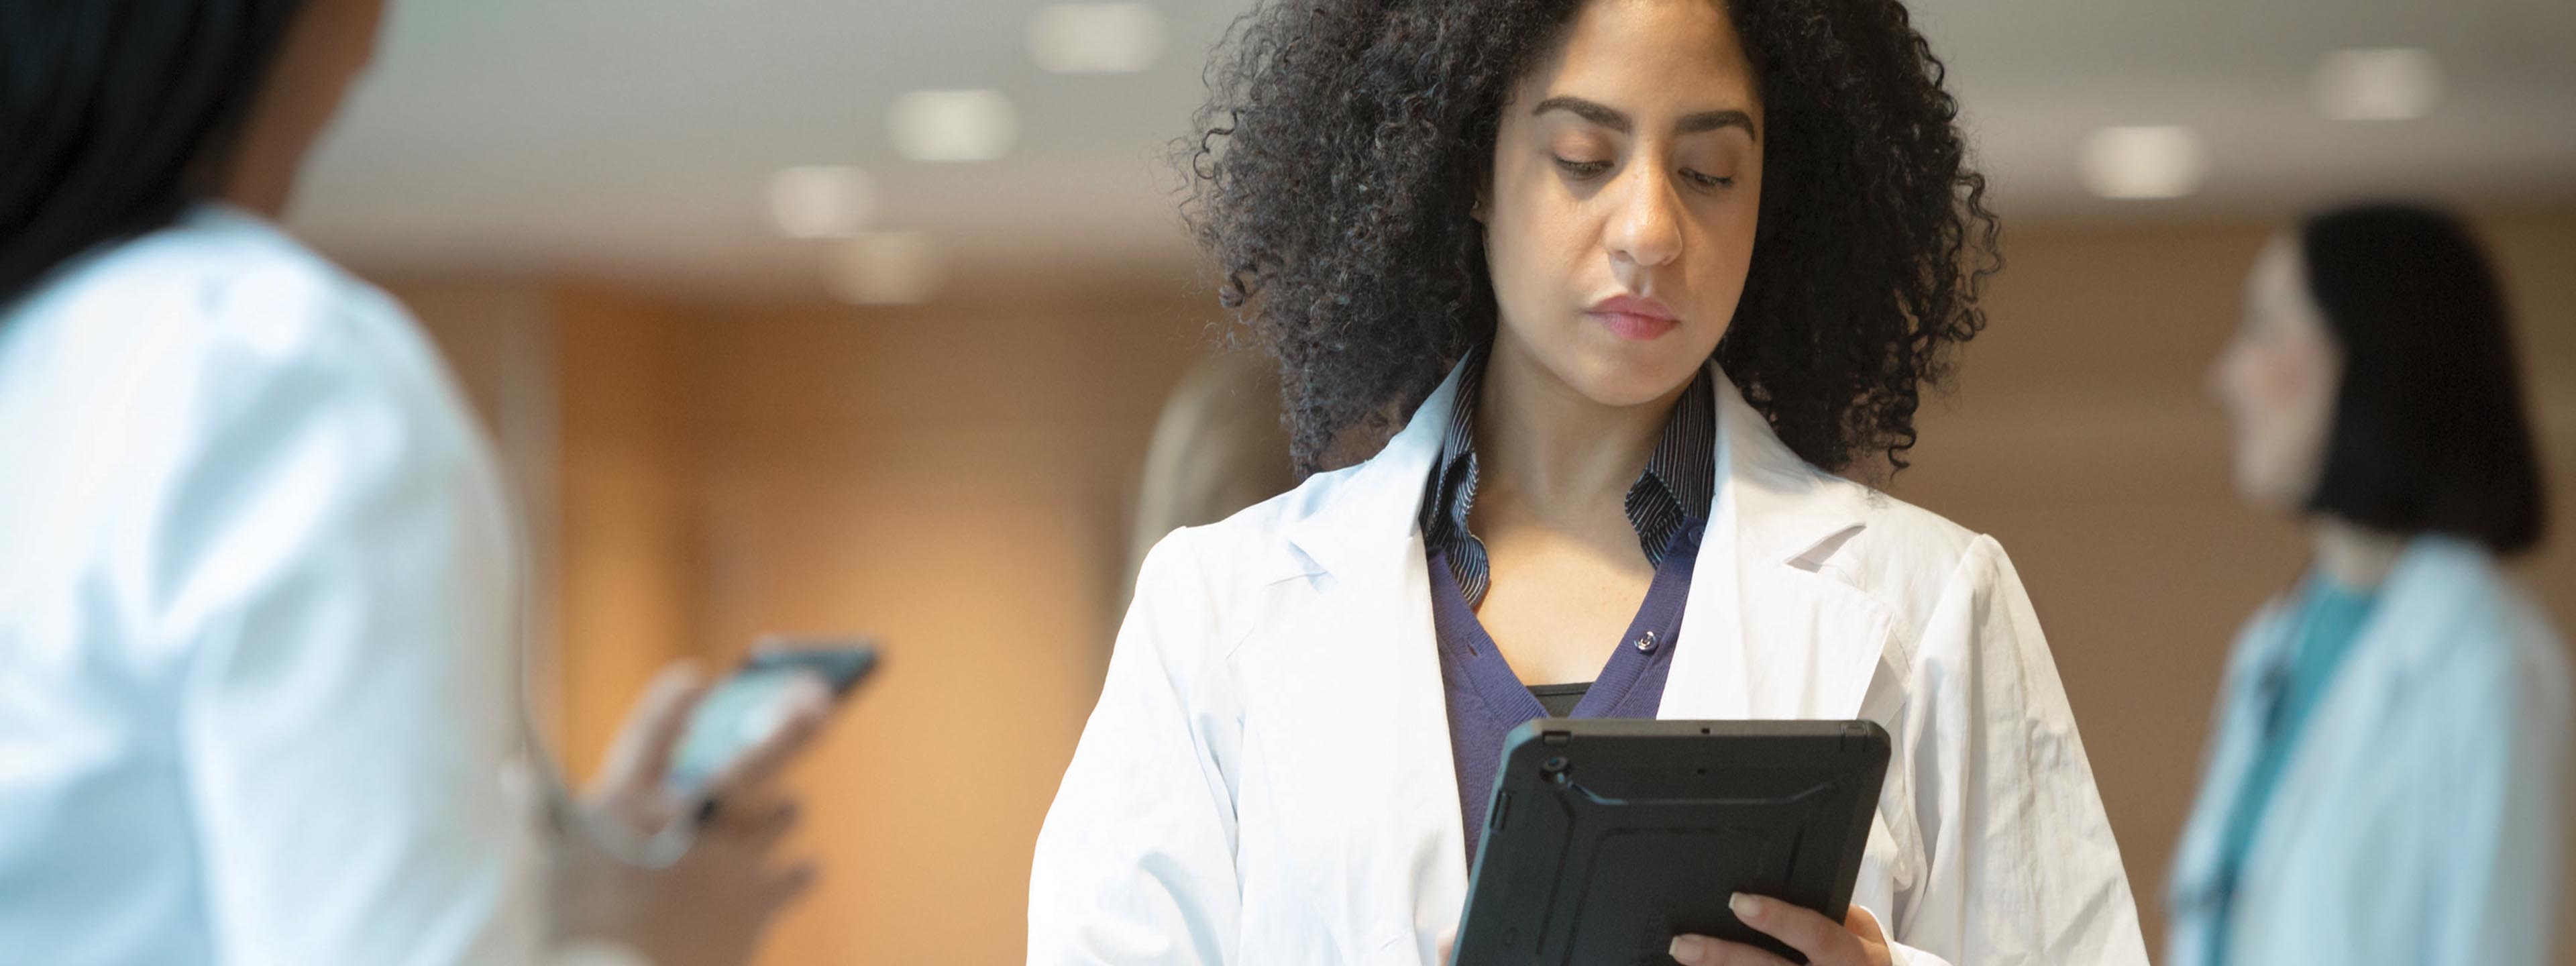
(1344,142)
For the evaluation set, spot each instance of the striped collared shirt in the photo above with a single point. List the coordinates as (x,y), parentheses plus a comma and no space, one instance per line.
(1679,480)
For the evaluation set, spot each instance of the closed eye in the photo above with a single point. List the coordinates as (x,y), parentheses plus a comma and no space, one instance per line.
(1582,169)
(1707,180)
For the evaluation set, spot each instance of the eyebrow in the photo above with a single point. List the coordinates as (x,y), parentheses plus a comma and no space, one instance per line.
(1609,117)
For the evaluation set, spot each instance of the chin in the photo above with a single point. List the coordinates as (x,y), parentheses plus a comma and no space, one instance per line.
(2264,489)
(1634,375)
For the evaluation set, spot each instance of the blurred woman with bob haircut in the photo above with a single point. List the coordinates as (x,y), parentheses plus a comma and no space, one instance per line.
(2387,779)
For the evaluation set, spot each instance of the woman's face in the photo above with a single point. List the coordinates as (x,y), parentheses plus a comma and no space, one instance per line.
(1626,179)
(2278,379)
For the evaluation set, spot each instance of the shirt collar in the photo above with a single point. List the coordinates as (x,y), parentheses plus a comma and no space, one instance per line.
(1678,483)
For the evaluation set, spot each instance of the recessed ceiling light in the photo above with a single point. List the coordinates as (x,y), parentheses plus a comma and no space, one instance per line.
(1095,38)
(821,201)
(2144,162)
(2390,84)
(882,268)
(968,125)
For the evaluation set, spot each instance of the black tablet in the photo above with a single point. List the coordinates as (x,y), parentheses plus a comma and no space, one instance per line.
(1608,837)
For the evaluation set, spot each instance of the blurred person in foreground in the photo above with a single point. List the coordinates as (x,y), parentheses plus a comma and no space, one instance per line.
(257,568)
(2391,749)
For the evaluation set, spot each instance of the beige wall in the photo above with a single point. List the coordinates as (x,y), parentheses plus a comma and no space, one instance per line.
(958,480)
(955,481)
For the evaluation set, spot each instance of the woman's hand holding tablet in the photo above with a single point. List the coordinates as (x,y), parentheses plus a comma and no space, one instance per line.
(1695,842)
(1856,941)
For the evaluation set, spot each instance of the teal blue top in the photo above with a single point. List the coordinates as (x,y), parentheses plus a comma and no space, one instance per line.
(2328,620)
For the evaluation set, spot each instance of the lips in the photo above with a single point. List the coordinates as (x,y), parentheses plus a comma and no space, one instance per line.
(1634,317)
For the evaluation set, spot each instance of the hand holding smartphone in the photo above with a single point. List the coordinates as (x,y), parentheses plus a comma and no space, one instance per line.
(742,711)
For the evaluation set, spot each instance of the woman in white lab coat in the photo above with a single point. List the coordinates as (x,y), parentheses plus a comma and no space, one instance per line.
(257,568)
(2387,779)
(1628,274)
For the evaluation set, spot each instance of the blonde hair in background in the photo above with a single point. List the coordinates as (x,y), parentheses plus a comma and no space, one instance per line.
(1219,446)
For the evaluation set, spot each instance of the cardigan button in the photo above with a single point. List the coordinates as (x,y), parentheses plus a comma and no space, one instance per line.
(1646,641)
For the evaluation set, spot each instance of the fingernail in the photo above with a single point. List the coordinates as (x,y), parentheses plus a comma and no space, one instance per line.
(1746,907)
(1687,948)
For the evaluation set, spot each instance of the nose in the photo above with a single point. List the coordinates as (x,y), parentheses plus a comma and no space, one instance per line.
(1647,231)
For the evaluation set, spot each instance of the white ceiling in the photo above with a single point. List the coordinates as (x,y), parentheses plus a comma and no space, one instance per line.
(633,139)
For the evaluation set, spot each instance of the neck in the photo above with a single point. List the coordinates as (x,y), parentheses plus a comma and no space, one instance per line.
(267,203)
(261,180)
(2356,557)
(1542,443)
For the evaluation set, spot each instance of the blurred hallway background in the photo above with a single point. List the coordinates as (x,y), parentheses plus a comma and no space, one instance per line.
(928,420)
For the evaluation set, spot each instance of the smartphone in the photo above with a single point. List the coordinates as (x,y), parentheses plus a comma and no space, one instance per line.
(742,710)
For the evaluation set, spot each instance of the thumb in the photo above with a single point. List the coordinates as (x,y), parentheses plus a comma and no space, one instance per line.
(1864,924)
(642,752)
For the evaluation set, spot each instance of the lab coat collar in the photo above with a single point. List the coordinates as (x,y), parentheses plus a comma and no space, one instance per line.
(1766,635)
(1786,511)
(2439,581)
(1774,506)
(1376,506)
(2433,576)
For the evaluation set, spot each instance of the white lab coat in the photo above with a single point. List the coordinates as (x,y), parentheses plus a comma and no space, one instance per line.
(1268,779)
(256,567)
(2418,820)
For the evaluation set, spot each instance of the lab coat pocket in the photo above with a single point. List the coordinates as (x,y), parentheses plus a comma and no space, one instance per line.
(1890,864)
(1886,868)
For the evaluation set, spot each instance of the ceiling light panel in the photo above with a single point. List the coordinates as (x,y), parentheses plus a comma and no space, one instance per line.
(1095,38)
(882,268)
(2144,162)
(2389,84)
(822,201)
(953,125)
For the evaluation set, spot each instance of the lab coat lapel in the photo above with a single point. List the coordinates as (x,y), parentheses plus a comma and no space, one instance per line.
(1375,631)
(2192,881)
(1773,521)
(1765,634)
